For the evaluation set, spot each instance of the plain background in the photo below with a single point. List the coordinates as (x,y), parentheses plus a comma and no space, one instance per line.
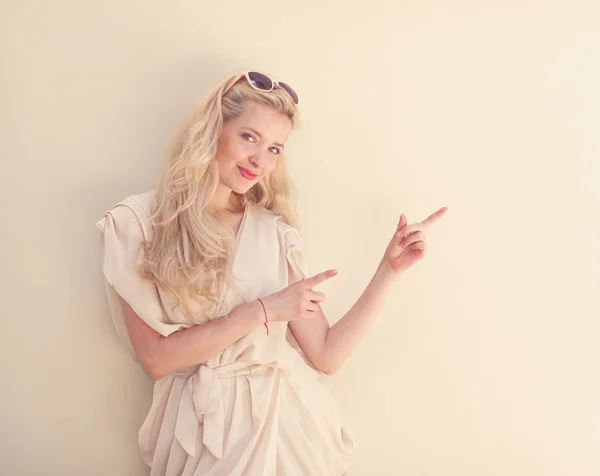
(484,360)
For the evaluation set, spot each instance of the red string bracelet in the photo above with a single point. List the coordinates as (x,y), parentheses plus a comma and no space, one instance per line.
(266,317)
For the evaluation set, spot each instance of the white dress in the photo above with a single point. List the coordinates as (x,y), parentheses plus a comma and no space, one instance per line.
(257,409)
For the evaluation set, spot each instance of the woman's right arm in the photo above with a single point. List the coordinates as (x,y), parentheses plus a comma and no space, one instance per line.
(159,355)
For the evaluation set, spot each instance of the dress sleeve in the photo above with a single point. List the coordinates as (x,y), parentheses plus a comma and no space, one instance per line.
(123,228)
(290,242)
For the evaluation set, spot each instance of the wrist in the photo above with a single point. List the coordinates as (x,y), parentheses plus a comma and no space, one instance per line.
(264,309)
(386,273)
(258,314)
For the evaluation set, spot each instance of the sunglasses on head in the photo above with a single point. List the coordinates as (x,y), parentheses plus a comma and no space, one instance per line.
(261,82)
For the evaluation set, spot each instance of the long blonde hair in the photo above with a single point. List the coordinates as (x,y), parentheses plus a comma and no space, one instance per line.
(190,249)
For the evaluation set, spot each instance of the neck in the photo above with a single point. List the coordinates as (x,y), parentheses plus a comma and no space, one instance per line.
(224,200)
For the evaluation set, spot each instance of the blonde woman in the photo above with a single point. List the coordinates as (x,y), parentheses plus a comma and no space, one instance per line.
(208,291)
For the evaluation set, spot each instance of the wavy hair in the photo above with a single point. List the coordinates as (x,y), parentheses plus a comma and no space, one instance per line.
(190,248)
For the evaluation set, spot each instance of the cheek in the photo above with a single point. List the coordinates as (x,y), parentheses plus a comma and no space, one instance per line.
(271,164)
(230,151)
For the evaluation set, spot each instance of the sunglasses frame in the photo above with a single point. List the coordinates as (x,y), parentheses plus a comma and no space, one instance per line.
(274,84)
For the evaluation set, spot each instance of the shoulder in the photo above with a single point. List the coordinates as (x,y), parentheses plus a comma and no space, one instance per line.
(143,202)
(130,215)
(273,220)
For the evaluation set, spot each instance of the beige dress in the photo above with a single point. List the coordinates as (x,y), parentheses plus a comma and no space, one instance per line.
(257,409)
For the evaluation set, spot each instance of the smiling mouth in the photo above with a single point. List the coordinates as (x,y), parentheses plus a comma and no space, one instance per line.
(246,173)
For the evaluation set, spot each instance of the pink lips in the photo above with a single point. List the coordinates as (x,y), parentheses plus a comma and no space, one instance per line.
(246,173)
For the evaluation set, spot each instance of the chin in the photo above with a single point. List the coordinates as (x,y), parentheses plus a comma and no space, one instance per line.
(240,185)
(243,188)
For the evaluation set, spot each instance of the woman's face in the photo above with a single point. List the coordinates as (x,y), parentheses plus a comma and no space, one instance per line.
(250,145)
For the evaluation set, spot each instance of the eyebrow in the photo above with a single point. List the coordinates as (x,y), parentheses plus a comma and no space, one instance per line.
(260,135)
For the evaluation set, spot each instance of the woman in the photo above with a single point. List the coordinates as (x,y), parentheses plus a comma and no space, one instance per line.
(208,291)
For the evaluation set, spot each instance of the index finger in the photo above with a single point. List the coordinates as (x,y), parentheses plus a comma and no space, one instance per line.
(431,219)
(319,278)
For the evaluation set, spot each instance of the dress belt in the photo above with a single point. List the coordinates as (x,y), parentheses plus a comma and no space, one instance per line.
(201,395)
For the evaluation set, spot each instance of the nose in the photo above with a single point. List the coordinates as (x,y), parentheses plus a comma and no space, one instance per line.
(257,160)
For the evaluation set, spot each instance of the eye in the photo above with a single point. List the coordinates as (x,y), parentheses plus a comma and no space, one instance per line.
(274,150)
(248,137)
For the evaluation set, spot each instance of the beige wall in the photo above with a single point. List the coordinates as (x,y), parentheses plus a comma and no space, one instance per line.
(485,359)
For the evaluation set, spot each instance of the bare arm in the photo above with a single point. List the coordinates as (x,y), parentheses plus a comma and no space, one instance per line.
(327,348)
(159,355)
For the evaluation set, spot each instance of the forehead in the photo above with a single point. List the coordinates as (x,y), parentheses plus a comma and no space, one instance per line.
(272,125)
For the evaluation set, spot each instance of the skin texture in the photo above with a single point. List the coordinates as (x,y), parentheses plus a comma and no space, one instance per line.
(254,140)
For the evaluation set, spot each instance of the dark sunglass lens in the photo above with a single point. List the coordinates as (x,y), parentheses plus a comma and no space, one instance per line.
(260,81)
(290,91)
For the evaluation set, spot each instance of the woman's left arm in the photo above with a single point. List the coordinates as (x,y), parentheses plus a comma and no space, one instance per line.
(327,347)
